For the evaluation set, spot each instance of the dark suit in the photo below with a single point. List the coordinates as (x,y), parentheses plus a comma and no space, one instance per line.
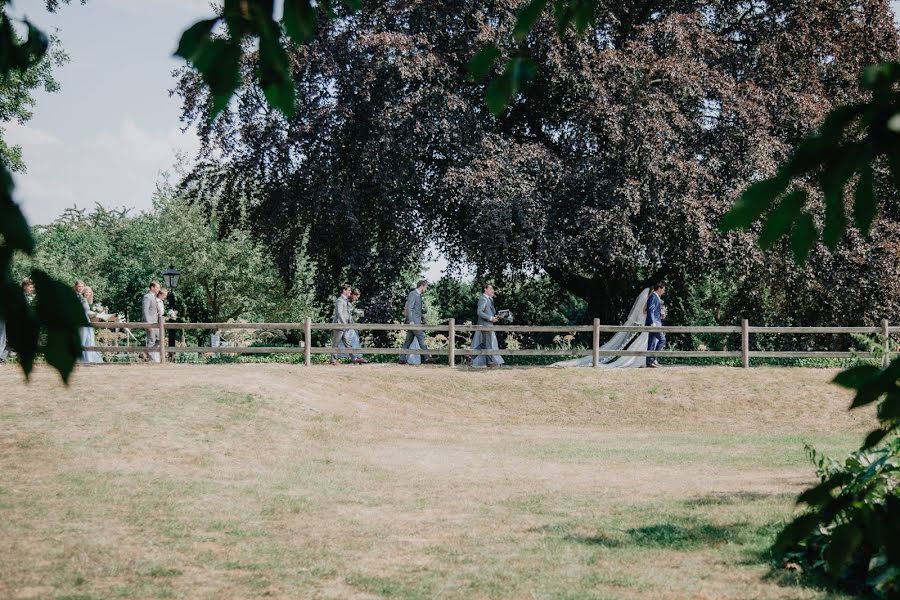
(655,340)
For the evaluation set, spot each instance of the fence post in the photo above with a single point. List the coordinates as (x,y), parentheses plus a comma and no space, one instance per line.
(745,343)
(595,358)
(451,342)
(886,332)
(307,341)
(163,345)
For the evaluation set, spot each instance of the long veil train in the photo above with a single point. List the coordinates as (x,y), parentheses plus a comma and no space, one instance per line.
(620,341)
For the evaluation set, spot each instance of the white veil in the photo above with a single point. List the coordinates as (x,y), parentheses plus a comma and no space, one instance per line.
(620,341)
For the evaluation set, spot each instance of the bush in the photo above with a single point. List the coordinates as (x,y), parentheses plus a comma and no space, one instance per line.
(855,540)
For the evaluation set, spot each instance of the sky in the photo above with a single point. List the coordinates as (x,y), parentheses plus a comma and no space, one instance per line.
(110,131)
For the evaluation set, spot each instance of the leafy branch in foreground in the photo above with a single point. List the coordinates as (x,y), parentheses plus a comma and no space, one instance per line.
(852,529)
(57,312)
(216,55)
(847,145)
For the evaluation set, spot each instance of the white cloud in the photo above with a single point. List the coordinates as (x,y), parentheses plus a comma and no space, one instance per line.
(28,137)
(130,144)
(114,167)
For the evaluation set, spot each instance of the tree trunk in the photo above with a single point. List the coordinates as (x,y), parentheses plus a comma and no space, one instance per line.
(609,298)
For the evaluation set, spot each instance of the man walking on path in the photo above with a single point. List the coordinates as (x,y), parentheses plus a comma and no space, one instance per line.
(656,339)
(414,314)
(150,312)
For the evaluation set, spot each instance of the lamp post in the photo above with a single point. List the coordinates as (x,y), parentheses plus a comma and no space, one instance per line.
(171,277)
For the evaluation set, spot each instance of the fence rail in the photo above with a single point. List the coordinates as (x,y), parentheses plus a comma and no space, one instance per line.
(451,329)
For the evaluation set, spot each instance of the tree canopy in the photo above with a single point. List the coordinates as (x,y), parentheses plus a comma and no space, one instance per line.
(610,170)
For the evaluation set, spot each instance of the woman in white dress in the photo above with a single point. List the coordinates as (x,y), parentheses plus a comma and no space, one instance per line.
(621,341)
(87,333)
(352,335)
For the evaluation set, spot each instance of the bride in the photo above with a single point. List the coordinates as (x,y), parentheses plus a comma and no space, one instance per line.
(621,341)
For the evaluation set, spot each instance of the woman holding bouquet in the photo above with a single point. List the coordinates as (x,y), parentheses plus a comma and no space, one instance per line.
(87,333)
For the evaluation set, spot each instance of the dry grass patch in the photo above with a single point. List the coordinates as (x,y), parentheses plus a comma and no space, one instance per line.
(381,481)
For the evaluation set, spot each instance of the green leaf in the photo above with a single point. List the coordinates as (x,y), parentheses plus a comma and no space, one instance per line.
(583,13)
(864,204)
(755,200)
(803,237)
(501,90)
(822,492)
(13,226)
(195,38)
(845,539)
(562,15)
(274,71)
(857,377)
(61,350)
(527,17)
(300,20)
(22,327)
(218,61)
(889,409)
(782,217)
(796,531)
(36,43)
(833,127)
(481,64)
(833,179)
(61,314)
(874,438)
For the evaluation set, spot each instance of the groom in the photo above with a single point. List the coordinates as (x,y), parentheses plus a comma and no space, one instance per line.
(657,339)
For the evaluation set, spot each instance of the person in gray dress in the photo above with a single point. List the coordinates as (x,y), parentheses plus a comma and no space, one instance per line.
(353,334)
(486,340)
(341,316)
(414,314)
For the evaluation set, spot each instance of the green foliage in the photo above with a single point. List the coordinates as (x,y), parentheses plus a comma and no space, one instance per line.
(58,313)
(118,254)
(217,56)
(852,530)
(17,100)
(850,140)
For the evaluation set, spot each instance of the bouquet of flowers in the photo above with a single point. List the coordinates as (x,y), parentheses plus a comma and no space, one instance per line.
(505,315)
(172,314)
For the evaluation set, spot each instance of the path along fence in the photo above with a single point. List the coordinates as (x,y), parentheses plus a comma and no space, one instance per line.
(451,329)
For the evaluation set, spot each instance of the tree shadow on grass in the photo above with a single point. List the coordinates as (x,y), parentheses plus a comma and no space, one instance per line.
(678,535)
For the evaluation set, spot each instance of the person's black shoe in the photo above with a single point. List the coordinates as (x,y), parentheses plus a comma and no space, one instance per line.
(428,361)
(402,362)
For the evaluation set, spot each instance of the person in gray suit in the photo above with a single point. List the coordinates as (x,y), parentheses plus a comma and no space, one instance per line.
(2,341)
(150,313)
(486,340)
(414,314)
(341,315)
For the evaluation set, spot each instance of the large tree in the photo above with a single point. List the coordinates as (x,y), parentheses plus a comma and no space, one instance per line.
(611,169)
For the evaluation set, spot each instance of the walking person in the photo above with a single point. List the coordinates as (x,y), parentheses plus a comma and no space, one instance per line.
(28,291)
(341,316)
(486,340)
(150,312)
(87,333)
(414,314)
(656,341)
(352,336)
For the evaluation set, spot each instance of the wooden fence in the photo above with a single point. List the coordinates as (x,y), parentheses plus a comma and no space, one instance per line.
(451,329)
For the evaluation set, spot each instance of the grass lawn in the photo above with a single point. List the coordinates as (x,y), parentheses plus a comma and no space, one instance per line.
(279,481)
